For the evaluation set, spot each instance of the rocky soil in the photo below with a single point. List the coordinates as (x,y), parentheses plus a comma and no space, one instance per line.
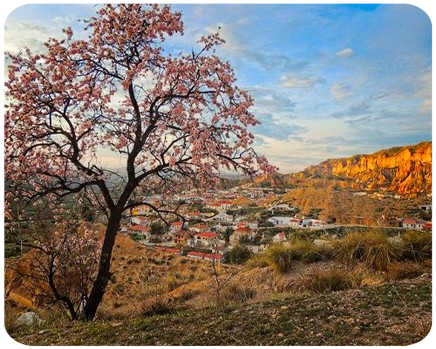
(397,313)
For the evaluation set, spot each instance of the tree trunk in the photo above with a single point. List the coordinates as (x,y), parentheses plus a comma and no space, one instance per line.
(104,274)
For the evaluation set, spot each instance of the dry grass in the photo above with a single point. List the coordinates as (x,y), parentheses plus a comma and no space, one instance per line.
(257,261)
(282,256)
(235,294)
(11,315)
(407,270)
(373,249)
(416,245)
(334,279)
(156,306)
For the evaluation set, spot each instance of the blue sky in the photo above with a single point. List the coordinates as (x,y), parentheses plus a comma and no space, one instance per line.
(328,80)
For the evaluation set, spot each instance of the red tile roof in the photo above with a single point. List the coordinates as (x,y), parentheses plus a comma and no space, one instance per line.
(205,255)
(207,235)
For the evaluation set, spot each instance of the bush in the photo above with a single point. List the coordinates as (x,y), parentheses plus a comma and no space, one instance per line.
(416,245)
(373,249)
(156,306)
(304,251)
(257,260)
(279,258)
(407,270)
(325,281)
(237,294)
(187,295)
(282,256)
(238,255)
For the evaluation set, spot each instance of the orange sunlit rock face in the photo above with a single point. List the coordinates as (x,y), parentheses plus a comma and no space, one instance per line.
(406,170)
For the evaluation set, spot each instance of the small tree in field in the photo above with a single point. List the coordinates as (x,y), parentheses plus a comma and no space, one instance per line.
(66,259)
(174,119)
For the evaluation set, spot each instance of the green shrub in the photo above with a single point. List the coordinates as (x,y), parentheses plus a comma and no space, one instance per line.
(238,255)
(257,260)
(282,256)
(279,258)
(305,251)
(373,249)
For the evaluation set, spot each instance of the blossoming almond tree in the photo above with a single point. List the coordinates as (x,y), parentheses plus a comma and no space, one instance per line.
(173,118)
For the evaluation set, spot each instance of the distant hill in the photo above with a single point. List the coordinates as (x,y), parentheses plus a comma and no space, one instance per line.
(405,170)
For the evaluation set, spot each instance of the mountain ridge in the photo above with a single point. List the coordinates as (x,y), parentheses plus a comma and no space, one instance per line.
(401,169)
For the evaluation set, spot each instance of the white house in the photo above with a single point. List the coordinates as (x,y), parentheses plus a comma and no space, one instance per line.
(139,230)
(316,223)
(280,221)
(281,207)
(414,224)
(207,239)
(294,222)
(176,226)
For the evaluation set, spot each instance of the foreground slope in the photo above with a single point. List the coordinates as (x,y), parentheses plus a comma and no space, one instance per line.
(390,314)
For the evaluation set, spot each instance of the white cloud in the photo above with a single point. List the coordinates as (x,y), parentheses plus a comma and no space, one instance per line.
(346,52)
(20,34)
(299,81)
(424,92)
(64,20)
(340,91)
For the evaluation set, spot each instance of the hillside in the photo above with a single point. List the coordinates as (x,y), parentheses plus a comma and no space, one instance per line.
(391,314)
(405,170)
(343,206)
(139,273)
(301,292)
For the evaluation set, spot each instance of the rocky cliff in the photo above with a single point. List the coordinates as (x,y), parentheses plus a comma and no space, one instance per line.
(405,170)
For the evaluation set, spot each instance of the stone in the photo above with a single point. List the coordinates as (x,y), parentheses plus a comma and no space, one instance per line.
(28,319)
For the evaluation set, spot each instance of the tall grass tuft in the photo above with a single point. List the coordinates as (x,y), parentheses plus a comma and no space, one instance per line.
(334,279)
(282,256)
(278,256)
(234,294)
(156,306)
(373,249)
(416,245)
(407,270)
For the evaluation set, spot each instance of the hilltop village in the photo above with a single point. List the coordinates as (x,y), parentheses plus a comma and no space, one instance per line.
(210,224)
